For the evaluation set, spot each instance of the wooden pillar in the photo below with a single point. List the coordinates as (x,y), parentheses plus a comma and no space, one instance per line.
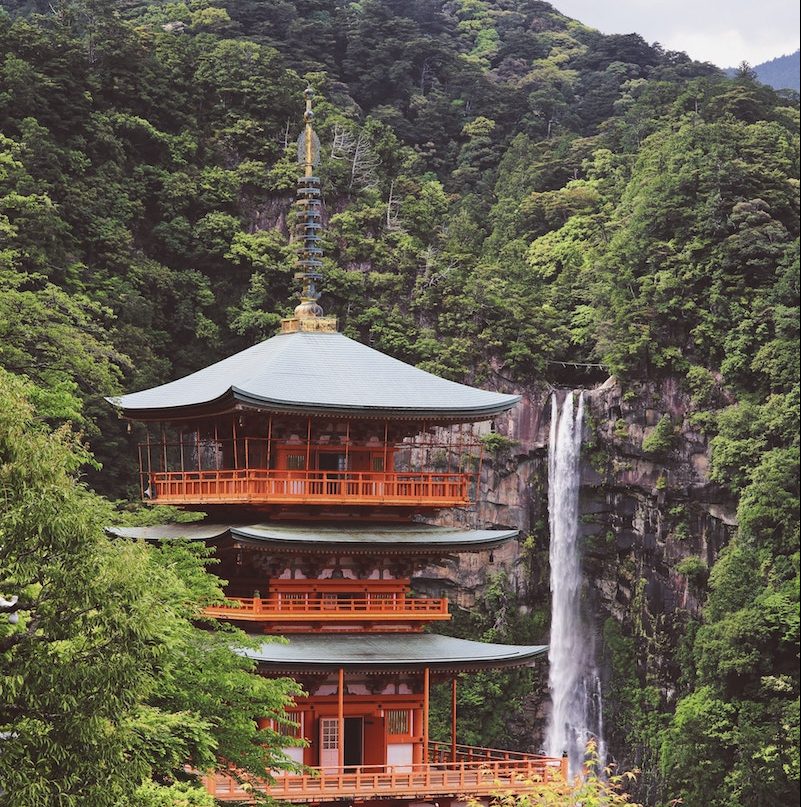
(234,440)
(217,446)
(163,448)
(269,441)
(142,474)
(149,460)
(426,683)
(308,444)
(453,719)
(341,719)
(477,491)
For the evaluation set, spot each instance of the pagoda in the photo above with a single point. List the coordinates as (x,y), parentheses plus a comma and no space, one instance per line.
(321,464)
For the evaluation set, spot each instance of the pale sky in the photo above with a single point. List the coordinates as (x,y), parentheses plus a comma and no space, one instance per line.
(724,32)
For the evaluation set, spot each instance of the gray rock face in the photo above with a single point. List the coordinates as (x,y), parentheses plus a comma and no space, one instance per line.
(642,513)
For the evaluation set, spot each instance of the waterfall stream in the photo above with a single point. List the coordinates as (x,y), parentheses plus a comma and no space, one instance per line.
(573,678)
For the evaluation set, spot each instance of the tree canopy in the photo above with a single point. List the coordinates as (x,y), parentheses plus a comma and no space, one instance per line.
(110,687)
(506,190)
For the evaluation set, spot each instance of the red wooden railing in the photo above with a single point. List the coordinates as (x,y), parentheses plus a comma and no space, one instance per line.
(316,607)
(409,781)
(443,752)
(254,485)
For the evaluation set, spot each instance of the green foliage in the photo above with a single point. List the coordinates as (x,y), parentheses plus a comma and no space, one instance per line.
(178,794)
(693,568)
(634,708)
(496,443)
(661,439)
(107,680)
(701,384)
(597,788)
(507,191)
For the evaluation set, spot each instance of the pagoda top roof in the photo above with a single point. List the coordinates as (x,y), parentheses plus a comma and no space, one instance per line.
(386,652)
(315,373)
(328,536)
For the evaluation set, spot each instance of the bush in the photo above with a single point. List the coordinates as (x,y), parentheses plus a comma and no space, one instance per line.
(694,569)
(495,443)
(661,439)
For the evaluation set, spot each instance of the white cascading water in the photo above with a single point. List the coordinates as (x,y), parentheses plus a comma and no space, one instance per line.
(573,678)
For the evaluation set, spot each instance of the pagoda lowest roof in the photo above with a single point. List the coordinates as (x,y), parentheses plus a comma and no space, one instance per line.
(387,652)
(327,536)
(315,373)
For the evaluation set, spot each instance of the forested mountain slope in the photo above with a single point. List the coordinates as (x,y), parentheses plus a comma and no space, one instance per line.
(506,191)
(781,73)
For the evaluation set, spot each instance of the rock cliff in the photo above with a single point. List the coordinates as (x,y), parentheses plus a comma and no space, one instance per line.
(652,524)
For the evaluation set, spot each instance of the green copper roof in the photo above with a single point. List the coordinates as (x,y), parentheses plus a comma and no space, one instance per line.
(390,651)
(194,531)
(327,536)
(316,373)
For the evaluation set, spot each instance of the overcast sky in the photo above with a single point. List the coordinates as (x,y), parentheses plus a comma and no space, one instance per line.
(724,32)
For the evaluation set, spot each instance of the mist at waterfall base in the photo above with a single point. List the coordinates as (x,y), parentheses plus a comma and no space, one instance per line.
(573,678)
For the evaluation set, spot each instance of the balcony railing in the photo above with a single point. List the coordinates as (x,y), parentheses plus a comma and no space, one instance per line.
(448,752)
(332,608)
(260,486)
(486,778)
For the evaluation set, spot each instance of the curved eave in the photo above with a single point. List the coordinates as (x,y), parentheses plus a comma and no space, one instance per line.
(390,540)
(410,413)
(388,653)
(229,401)
(325,539)
(191,531)
(220,405)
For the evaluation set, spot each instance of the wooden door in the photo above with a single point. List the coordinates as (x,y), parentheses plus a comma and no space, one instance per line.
(329,744)
(375,740)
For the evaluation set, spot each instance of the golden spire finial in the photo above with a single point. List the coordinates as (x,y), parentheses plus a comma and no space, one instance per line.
(309,135)
(309,315)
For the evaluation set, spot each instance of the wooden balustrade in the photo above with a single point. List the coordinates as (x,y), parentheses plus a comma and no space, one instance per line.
(321,608)
(443,752)
(410,781)
(263,486)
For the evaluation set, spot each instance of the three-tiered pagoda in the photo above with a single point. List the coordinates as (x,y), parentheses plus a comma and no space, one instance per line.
(318,461)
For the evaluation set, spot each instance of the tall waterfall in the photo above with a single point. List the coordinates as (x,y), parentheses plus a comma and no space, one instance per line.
(573,677)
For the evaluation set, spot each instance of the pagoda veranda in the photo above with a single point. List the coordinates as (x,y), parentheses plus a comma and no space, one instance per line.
(321,465)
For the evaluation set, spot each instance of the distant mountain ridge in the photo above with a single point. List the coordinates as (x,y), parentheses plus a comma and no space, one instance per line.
(781,73)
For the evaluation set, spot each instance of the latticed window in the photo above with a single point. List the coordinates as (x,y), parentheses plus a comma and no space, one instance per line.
(296,462)
(330,734)
(399,721)
(292,599)
(291,727)
(378,464)
(295,727)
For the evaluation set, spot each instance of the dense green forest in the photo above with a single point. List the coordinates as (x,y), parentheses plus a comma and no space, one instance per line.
(506,190)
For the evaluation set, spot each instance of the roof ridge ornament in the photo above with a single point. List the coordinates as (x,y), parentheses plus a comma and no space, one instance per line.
(308,315)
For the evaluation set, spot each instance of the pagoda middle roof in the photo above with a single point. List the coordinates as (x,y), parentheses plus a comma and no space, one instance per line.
(387,652)
(326,536)
(315,373)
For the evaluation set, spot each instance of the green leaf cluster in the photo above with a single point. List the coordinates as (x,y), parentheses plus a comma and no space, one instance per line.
(107,680)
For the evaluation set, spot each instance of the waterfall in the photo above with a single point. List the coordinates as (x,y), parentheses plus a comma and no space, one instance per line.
(573,678)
